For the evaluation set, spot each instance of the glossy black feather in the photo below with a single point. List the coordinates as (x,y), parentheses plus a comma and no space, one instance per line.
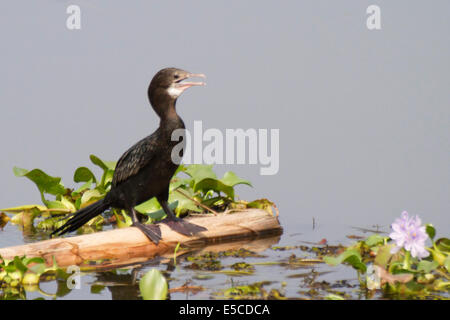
(145,170)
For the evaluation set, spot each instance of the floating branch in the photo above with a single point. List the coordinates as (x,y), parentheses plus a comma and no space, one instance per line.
(121,246)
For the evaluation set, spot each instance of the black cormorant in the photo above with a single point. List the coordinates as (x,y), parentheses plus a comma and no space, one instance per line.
(145,170)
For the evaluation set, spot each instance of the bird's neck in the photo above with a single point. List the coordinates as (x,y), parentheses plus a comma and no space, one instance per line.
(165,108)
(170,112)
(170,120)
(167,111)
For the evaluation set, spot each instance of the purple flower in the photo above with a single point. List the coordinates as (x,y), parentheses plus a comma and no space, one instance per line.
(409,234)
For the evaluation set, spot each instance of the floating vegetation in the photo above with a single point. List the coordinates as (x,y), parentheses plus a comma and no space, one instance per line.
(194,188)
(243,266)
(408,263)
(209,265)
(407,267)
(300,274)
(248,292)
(240,253)
(24,274)
(23,271)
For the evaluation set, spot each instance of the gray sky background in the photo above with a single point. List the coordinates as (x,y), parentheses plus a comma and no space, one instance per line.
(363,115)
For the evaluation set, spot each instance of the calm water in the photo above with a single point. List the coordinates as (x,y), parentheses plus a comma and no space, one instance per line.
(124,283)
(363,116)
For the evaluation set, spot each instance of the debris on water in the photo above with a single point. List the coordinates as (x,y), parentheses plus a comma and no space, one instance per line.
(352,236)
(3,220)
(365,230)
(252,291)
(243,266)
(210,265)
(203,277)
(187,288)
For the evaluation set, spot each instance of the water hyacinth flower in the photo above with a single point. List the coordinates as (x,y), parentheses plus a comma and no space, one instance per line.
(408,233)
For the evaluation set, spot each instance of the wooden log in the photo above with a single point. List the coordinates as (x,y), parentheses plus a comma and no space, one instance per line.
(123,246)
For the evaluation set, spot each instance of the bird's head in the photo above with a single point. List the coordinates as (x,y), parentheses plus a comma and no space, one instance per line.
(169,83)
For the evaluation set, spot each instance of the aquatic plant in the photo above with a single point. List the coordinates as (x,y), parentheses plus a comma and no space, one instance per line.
(24,274)
(400,263)
(153,285)
(193,188)
(408,233)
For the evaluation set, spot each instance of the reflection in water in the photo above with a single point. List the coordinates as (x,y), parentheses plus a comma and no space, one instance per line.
(121,286)
(124,284)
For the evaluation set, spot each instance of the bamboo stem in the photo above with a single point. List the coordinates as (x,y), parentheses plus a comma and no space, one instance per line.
(122,246)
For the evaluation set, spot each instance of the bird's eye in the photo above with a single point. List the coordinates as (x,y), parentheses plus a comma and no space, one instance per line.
(176,76)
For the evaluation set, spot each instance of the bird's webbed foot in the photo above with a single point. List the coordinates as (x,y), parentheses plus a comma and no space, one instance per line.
(152,231)
(183,227)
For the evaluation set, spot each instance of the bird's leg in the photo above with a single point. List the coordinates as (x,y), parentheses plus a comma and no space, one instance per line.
(177,224)
(152,231)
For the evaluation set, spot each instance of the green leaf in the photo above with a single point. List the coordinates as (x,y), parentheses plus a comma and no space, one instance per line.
(126,219)
(107,178)
(205,179)
(447,263)
(443,244)
(213,184)
(57,205)
(427,266)
(153,285)
(105,165)
(431,231)
(374,240)
(27,261)
(148,206)
(83,174)
(200,172)
(68,204)
(438,256)
(108,170)
(384,255)
(351,256)
(24,208)
(160,214)
(184,203)
(178,182)
(19,265)
(231,179)
(84,187)
(153,210)
(44,182)
(91,195)
(10,267)
(38,268)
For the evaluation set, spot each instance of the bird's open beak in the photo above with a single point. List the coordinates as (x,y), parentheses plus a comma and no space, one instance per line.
(187,84)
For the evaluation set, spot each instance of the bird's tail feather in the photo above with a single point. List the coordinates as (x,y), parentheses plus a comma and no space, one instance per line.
(82,216)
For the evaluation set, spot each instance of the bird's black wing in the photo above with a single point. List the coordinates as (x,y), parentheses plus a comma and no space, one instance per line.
(136,158)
